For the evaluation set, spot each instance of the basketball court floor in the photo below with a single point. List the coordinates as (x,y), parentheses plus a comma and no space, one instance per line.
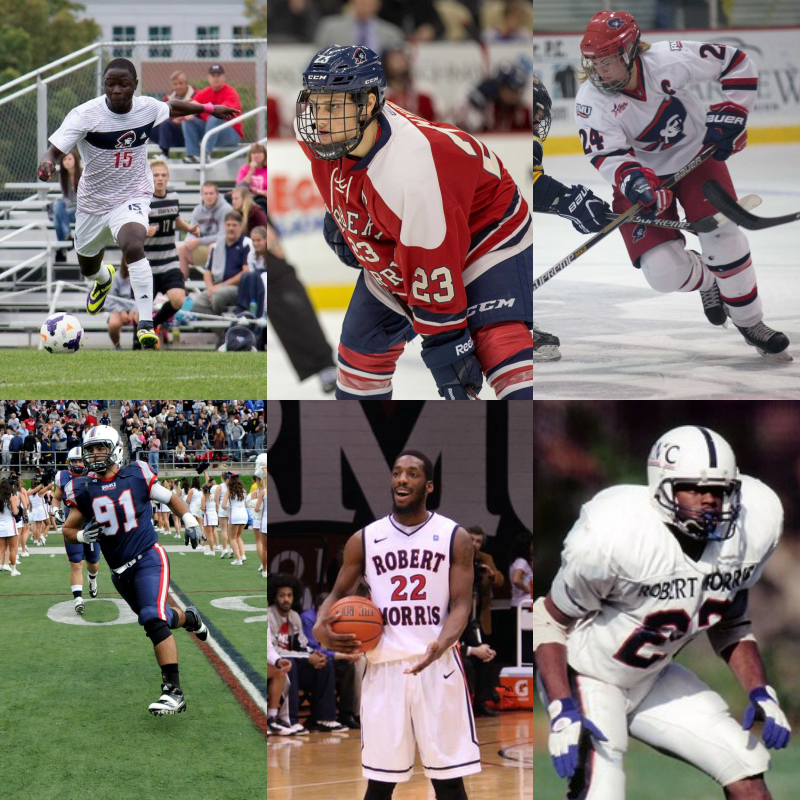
(328,766)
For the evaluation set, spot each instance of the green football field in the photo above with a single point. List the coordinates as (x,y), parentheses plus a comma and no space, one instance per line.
(653,776)
(110,373)
(73,706)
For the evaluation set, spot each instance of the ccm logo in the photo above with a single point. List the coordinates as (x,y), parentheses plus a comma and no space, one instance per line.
(463,349)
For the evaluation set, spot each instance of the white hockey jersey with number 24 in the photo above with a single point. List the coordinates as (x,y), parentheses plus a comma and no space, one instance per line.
(639,598)
(661,125)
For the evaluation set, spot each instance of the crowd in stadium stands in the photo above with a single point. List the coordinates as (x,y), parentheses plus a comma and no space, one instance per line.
(41,433)
(330,680)
(495,104)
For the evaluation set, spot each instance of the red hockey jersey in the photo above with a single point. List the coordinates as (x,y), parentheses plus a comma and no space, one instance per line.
(428,210)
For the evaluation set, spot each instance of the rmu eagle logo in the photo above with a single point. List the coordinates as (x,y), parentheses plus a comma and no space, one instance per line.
(126,140)
(359,57)
(615,22)
(666,128)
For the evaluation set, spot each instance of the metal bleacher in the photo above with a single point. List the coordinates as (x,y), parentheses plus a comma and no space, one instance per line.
(32,285)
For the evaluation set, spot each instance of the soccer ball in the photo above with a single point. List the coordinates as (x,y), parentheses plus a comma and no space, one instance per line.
(61,333)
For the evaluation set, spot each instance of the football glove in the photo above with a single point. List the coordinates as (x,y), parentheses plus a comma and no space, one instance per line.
(337,243)
(583,209)
(451,359)
(725,127)
(566,726)
(59,516)
(764,706)
(194,534)
(92,532)
(639,185)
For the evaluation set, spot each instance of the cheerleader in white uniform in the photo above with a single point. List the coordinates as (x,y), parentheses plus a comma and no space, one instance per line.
(175,488)
(9,508)
(222,512)
(257,502)
(210,520)
(163,512)
(184,494)
(234,502)
(194,498)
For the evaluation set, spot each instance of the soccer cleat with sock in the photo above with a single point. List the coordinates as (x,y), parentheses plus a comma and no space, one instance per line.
(92,587)
(98,293)
(147,337)
(79,606)
(170,702)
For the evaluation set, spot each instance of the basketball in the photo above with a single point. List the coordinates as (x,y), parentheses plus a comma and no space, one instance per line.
(359,616)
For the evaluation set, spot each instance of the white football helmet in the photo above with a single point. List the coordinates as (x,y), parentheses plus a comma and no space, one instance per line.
(72,456)
(100,462)
(696,457)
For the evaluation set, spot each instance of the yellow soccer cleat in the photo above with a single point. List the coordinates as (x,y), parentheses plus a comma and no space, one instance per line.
(99,291)
(147,337)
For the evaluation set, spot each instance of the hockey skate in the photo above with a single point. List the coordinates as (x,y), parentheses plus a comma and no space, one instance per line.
(769,343)
(715,310)
(545,346)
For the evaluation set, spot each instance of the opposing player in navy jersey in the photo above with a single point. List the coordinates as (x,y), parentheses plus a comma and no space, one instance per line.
(111,507)
(76,553)
(115,189)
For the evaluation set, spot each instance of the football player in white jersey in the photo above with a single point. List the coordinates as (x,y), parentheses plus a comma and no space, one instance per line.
(111,133)
(639,123)
(418,566)
(644,570)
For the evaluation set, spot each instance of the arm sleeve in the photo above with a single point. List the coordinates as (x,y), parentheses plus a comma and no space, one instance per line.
(586,576)
(71,131)
(160,493)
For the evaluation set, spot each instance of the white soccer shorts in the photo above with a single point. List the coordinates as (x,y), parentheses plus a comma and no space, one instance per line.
(676,713)
(430,711)
(95,232)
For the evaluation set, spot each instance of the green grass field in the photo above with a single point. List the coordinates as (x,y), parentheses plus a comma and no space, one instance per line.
(109,373)
(73,708)
(653,776)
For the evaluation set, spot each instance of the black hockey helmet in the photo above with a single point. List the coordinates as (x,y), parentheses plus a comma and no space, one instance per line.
(541,109)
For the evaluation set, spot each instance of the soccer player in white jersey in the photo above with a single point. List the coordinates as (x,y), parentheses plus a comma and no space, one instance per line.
(114,193)
(418,566)
(639,123)
(644,570)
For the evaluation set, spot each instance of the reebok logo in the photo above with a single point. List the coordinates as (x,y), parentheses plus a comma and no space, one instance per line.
(463,349)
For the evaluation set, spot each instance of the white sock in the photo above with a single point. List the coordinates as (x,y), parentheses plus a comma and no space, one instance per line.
(142,284)
(102,275)
(77,587)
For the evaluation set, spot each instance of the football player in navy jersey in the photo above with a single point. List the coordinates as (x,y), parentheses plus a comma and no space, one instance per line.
(111,506)
(76,553)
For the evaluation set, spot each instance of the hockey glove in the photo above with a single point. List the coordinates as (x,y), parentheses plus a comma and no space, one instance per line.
(451,359)
(584,210)
(725,127)
(764,706)
(91,533)
(639,185)
(337,243)
(59,516)
(566,726)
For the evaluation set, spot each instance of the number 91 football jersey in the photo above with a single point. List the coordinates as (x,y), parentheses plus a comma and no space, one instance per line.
(639,599)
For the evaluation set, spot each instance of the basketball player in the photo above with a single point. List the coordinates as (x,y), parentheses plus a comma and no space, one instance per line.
(418,566)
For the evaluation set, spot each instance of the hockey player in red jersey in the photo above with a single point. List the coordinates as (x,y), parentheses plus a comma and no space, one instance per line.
(425,212)
(639,123)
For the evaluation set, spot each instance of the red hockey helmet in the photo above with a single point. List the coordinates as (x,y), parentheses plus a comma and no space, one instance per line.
(611,39)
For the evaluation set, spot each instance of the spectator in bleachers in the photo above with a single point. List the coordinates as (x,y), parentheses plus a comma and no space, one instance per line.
(7,437)
(170,133)
(512,25)
(401,89)
(273,118)
(521,570)
(253,216)
(60,445)
(180,454)
(64,207)
(496,104)
(292,20)
(16,448)
(252,295)
(418,18)
(121,311)
(253,174)
(227,263)
(217,92)
(153,446)
(361,24)
(209,216)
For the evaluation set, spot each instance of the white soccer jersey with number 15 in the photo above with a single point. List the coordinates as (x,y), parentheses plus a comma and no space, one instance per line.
(639,598)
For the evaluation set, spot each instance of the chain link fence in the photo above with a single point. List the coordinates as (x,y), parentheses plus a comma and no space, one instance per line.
(34,105)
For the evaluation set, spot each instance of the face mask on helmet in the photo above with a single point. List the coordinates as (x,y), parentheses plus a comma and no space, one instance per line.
(96,459)
(697,461)
(76,466)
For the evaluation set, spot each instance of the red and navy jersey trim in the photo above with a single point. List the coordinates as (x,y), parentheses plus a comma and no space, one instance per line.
(738,57)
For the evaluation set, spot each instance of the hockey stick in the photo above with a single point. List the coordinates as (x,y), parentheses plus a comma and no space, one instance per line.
(403,308)
(622,218)
(720,199)
(704,225)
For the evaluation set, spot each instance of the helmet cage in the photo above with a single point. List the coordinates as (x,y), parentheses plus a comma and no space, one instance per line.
(312,112)
(624,56)
(542,106)
(703,525)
